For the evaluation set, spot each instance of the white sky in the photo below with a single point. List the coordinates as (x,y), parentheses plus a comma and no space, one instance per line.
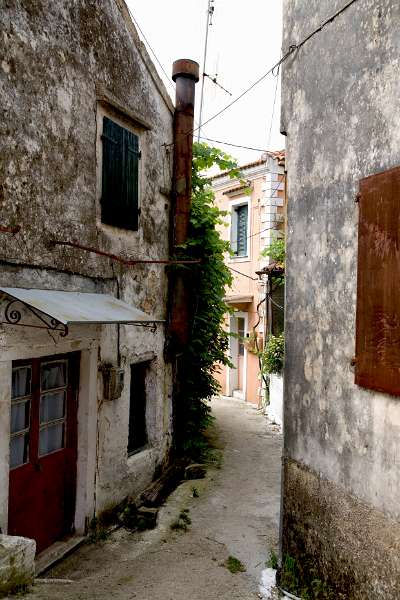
(244,42)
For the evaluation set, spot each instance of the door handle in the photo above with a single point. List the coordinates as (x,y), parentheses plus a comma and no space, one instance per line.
(38,467)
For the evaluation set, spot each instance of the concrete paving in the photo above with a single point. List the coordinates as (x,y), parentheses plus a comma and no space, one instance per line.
(235,514)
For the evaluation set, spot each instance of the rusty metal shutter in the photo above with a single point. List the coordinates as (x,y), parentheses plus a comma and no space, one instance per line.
(378,284)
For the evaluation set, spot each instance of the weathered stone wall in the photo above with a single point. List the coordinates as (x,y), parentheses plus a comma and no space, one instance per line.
(61,63)
(340,112)
(346,541)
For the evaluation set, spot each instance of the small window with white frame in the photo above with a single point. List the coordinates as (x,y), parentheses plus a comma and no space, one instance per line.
(240,229)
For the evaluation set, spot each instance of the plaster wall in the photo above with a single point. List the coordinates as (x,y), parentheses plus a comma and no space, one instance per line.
(340,104)
(265,203)
(274,409)
(340,113)
(64,66)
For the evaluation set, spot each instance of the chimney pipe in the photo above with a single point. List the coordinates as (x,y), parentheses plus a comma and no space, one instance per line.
(185,73)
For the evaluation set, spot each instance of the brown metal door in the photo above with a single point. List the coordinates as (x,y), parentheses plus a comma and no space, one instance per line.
(43,448)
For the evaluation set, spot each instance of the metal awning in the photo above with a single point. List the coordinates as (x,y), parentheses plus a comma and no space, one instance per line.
(239,299)
(57,310)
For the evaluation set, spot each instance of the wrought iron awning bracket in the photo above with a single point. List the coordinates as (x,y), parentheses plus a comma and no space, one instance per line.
(13,316)
(152,326)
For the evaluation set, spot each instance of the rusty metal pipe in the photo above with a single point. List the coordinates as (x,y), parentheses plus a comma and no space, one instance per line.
(124,261)
(185,73)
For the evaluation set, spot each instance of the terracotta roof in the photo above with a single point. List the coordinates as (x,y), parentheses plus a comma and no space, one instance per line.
(279,155)
(237,188)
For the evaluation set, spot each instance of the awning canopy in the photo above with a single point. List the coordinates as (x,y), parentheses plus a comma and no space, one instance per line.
(239,299)
(70,308)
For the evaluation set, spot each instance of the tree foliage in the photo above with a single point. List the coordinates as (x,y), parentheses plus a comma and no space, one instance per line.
(276,251)
(208,340)
(274,354)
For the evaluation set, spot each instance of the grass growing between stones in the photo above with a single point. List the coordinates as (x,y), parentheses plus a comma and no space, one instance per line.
(234,565)
(182,522)
(303,580)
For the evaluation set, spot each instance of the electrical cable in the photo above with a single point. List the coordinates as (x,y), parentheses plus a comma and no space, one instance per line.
(292,48)
(151,49)
(244,274)
(273,112)
(202,137)
(275,303)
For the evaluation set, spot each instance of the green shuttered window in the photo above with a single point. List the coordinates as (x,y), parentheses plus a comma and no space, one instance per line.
(120,176)
(239,230)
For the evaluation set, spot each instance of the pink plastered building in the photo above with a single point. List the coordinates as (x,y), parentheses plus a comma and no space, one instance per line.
(255,215)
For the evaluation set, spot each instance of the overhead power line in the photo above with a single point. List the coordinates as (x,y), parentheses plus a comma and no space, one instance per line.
(292,48)
(151,49)
(275,68)
(202,137)
(273,112)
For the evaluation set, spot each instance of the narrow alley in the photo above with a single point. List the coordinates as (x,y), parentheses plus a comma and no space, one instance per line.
(234,512)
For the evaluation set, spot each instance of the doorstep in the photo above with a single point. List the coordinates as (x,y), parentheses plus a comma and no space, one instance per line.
(56,552)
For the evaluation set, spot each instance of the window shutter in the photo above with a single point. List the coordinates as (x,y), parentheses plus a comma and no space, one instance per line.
(131,199)
(242,215)
(120,181)
(378,291)
(112,173)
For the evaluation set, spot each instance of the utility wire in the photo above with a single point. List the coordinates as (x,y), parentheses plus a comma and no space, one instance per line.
(244,274)
(273,112)
(292,48)
(202,137)
(275,303)
(275,69)
(168,79)
(151,49)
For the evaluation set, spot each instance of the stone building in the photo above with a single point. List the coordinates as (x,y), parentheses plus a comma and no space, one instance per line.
(340,113)
(85,392)
(255,215)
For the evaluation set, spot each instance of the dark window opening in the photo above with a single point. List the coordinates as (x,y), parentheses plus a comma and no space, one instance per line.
(239,239)
(277,298)
(120,177)
(241,335)
(137,407)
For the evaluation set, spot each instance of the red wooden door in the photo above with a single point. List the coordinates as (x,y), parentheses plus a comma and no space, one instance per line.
(43,448)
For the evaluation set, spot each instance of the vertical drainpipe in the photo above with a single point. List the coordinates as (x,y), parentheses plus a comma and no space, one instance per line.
(185,73)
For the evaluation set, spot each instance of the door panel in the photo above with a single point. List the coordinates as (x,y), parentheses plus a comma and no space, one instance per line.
(43,448)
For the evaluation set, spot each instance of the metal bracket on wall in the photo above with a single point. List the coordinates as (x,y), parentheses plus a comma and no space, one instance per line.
(13,316)
(151,326)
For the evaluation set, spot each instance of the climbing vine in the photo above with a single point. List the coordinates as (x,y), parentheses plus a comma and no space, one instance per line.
(208,342)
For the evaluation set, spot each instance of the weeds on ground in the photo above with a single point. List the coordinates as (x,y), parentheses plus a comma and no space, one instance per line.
(182,522)
(234,565)
(98,531)
(302,580)
(272,562)
(212,457)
